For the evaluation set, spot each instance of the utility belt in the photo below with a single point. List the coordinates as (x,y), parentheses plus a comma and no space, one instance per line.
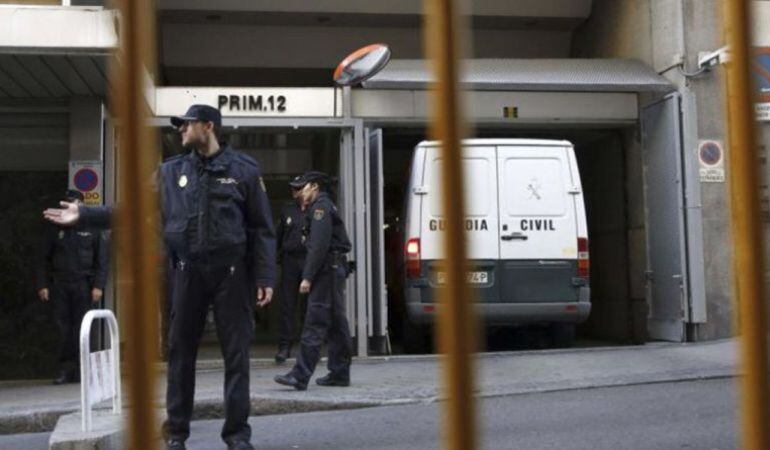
(338,259)
(228,256)
(71,277)
(300,253)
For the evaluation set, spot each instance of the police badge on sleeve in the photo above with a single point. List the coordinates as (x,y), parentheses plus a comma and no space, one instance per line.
(318,214)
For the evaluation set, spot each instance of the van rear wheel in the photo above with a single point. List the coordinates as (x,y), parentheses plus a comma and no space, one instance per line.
(562,334)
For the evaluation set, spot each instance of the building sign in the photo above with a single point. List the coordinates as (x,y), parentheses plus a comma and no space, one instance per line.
(86,177)
(250,102)
(712,162)
(762,111)
(760,71)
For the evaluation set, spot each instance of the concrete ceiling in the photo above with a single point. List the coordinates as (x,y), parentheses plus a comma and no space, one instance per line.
(495,8)
(298,42)
(52,76)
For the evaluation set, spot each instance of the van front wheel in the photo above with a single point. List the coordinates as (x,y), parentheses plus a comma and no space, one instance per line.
(562,334)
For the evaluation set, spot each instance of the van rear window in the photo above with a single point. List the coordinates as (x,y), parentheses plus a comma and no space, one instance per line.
(480,180)
(533,187)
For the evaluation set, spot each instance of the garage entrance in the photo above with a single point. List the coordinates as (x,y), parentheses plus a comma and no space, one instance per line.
(601,106)
(597,108)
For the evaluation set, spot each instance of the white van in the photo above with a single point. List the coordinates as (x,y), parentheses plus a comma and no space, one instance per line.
(526,233)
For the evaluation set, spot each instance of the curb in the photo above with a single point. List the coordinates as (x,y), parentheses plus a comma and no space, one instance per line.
(44,421)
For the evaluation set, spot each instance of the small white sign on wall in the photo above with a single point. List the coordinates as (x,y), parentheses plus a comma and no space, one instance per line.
(712,162)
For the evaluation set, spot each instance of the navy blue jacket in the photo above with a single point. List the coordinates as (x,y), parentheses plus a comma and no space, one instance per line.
(325,235)
(289,230)
(73,254)
(96,217)
(216,209)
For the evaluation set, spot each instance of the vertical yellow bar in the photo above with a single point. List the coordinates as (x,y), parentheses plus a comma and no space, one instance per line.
(747,231)
(137,234)
(456,324)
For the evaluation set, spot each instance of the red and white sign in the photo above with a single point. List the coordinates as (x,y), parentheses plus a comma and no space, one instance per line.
(712,162)
(86,177)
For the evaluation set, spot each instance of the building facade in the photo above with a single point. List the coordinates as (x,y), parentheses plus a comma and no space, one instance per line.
(618,78)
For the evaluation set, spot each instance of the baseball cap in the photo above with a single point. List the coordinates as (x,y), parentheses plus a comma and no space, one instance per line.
(204,113)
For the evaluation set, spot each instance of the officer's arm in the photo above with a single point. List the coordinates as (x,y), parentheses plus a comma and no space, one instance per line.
(279,231)
(102,262)
(98,217)
(318,242)
(45,252)
(259,221)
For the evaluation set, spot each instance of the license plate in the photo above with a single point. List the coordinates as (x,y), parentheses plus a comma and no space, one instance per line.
(470,277)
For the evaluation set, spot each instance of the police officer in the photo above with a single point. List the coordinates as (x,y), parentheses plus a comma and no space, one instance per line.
(218,229)
(322,278)
(291,256)
(72,272)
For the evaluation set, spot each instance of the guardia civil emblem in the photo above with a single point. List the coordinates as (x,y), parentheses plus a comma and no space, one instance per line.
(318,214)
(183,181)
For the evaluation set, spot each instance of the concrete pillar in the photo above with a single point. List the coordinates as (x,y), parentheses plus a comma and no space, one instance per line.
(85,128)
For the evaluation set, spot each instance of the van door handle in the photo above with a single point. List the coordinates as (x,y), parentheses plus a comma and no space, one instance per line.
(514,236)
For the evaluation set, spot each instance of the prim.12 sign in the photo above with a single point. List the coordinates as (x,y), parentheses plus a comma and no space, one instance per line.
(253,103)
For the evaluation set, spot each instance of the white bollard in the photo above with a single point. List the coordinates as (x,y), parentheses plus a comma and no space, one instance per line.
(85,362)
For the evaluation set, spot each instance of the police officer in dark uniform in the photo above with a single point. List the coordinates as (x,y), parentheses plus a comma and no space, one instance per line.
(291,256)
(72,272)
(218,230)
(322,278)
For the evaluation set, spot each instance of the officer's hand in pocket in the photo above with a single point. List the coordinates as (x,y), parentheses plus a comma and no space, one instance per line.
(264,296)
(304,287)
(43,294)
(96,294)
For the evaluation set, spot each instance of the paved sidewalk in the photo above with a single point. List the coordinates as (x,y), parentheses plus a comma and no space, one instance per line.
(35,406)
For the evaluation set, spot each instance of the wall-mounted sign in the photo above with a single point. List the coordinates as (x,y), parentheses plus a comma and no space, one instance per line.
(250,102)
(712,164)
(86,177)
(760,71)
(762,111)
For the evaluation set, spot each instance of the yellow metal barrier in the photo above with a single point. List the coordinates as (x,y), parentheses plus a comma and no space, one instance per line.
(456,324)
(136,231)
(747,231)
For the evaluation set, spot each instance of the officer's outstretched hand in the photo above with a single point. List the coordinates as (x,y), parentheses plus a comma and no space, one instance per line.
(264,296)
(68,214)
(304,287)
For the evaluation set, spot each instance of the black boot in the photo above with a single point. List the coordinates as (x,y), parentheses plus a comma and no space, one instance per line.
(175,444)
(289,380)
(63,378)
(330,380)
(284,352)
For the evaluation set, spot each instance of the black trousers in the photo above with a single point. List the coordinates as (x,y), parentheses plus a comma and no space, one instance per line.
(291,277)
(195,287)
(325,320)
(71,301)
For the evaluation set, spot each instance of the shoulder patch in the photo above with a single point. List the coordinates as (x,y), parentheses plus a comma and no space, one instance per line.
(318,214)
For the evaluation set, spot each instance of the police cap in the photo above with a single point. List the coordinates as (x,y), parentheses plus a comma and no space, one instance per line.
(312,176)
(203,113)
(72,195)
